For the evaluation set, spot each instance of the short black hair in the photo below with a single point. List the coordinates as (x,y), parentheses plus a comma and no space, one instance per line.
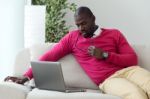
(83,10)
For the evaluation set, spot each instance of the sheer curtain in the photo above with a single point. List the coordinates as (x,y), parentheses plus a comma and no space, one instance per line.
(22,25)
(11,33)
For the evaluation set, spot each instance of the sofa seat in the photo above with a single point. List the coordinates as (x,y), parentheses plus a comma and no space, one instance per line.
(89,94)
(9,90)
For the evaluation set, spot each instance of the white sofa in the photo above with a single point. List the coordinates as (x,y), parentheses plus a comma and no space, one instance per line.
(73,74)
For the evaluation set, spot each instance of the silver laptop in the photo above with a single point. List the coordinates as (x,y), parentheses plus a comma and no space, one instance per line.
(49,76)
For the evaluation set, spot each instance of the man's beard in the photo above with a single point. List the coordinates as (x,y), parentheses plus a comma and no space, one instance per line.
(90,33)
(87,34)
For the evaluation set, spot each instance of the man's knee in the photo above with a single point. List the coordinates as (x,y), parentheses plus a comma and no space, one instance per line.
(123,88)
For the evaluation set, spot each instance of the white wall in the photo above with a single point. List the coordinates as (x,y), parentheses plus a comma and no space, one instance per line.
(11,33)
(132,17)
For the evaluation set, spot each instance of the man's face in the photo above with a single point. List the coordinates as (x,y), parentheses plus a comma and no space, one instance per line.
(85,24)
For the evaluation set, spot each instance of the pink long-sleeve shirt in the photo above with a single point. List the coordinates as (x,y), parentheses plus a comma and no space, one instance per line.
(121,55)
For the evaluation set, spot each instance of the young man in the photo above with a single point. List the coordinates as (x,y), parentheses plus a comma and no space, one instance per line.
(104,54)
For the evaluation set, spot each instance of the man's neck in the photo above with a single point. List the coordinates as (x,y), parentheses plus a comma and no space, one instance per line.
(94,29)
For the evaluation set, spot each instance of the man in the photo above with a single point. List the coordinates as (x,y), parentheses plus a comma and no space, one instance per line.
(104,54)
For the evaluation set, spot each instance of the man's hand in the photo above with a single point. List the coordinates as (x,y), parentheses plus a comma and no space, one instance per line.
(19,80)
(96,52)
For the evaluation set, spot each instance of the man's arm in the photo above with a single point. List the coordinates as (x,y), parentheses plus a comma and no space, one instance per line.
(125,55)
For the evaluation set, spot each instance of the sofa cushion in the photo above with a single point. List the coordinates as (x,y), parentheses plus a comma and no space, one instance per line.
(72,71)
(22,62)
(38,49)
(10,90)
(91,94)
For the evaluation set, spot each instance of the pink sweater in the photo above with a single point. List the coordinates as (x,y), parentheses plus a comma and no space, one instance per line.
(121,55)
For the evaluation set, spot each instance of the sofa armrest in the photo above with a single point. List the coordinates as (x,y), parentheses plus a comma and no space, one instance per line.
(9,90)
(22,62)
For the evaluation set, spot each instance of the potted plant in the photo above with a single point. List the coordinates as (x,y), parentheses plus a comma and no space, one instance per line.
(56,26)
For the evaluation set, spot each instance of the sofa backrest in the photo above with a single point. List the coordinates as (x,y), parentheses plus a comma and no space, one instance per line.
(73,74)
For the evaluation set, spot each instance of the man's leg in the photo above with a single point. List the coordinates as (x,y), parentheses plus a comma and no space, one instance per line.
(123,88)
(141,77)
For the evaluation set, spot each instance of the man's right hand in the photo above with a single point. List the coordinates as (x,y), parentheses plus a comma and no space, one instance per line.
(18,80)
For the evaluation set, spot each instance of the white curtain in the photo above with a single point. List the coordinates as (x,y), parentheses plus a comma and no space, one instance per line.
(11,33)
(34,25)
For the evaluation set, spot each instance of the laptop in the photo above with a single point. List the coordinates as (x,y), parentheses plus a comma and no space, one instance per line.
(49,76)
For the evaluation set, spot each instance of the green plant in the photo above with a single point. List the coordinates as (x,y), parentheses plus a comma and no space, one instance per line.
(56,26)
